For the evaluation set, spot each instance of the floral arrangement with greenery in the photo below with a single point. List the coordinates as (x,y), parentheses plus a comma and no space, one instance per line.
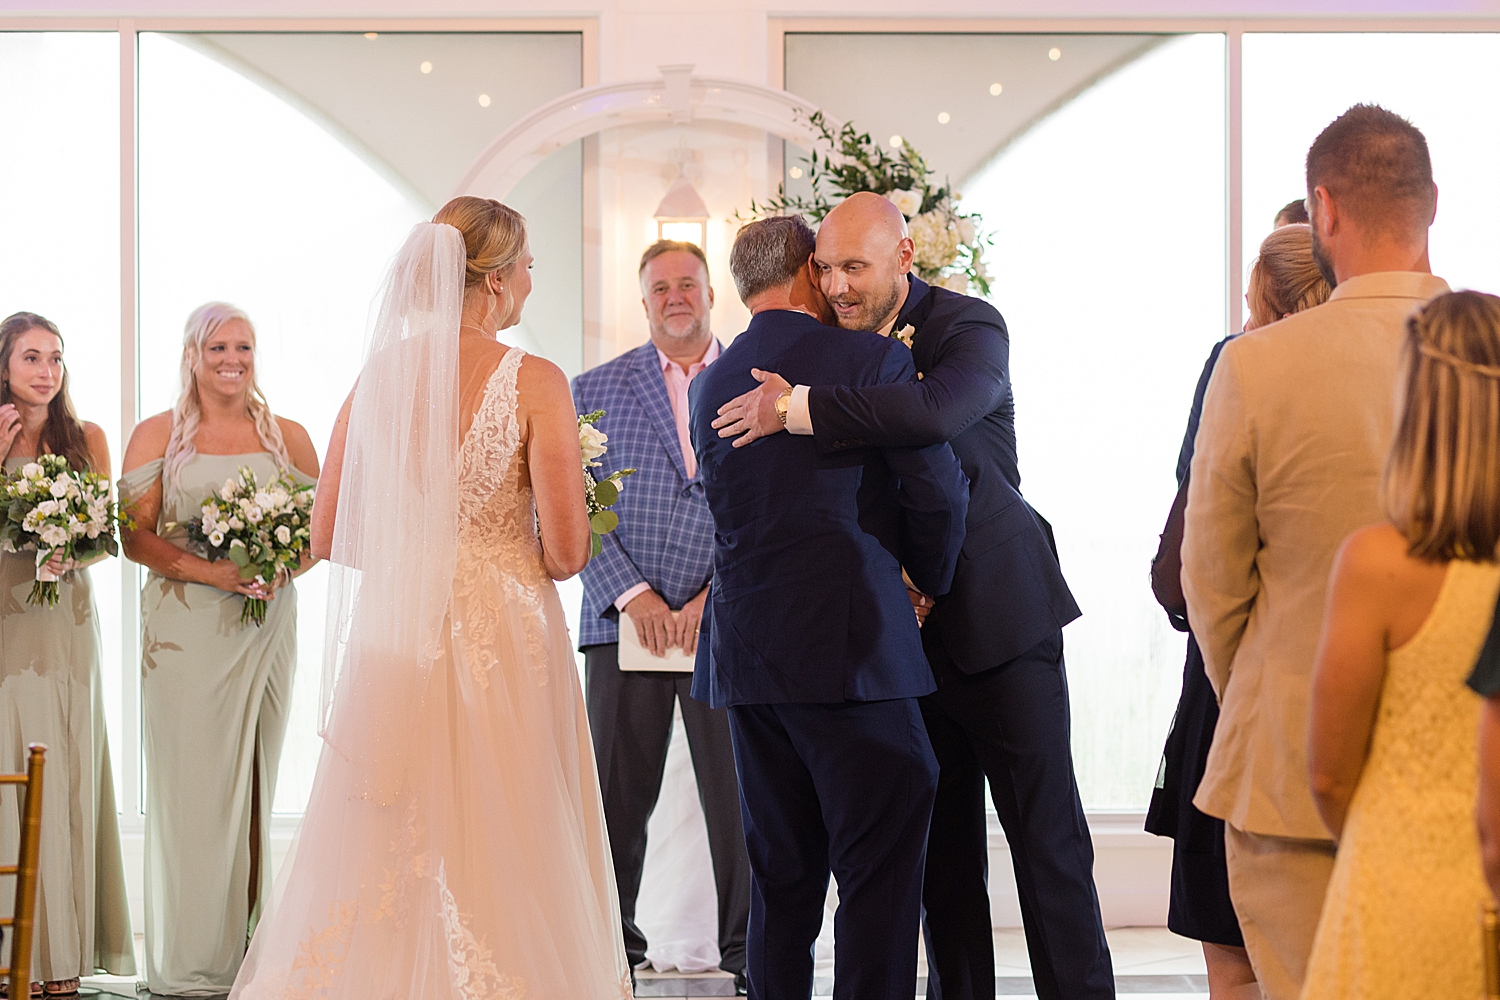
(949,242)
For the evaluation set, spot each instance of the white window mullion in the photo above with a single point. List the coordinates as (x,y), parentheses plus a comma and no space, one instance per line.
(130,674)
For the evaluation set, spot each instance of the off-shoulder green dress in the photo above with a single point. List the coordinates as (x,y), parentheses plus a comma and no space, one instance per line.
(50,693)
(215,695)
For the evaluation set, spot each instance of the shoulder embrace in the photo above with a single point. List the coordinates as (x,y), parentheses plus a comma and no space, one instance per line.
(967,308)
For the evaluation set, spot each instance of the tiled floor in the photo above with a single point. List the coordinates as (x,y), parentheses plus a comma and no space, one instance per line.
(1148,961)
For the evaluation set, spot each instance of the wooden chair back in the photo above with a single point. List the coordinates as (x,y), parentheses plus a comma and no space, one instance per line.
(19,923)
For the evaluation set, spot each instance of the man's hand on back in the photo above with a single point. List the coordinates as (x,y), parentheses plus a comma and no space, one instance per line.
(753,415)
(653,621)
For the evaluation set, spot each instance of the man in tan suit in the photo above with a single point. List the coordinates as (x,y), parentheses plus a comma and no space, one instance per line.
(1296,424)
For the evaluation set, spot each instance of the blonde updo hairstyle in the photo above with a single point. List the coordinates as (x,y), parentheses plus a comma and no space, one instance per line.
(1441,487)
(1285,278)
(494,235)
(204,322)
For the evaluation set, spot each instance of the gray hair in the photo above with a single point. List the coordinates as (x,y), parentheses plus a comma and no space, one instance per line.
(768,253)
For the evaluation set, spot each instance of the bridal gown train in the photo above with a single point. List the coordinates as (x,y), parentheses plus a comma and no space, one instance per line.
(477,866)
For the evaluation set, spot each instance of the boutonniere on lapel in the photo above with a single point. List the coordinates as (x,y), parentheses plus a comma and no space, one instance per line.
(905,334)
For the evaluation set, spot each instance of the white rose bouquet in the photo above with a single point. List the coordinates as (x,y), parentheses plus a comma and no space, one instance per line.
(60,513)
(599,494)
(262,530)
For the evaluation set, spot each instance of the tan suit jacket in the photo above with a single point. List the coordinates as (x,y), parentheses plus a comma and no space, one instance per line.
(1296,424)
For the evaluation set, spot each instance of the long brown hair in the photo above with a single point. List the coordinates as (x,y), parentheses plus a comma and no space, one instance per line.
(1441,487)
(63,433)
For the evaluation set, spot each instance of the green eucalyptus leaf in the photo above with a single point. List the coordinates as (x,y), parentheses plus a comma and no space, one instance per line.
(596,545)
(604,522)
(606,493)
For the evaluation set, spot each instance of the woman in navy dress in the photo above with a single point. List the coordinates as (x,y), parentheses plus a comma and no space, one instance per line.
(1285,280)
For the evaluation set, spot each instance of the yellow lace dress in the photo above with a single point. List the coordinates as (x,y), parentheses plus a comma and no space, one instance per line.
(1401,919)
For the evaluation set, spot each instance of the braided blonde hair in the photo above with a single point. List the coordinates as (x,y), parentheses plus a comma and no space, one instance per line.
(204,322)
(1441,486)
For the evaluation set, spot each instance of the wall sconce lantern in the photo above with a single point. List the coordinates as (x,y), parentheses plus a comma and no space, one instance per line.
(682,215)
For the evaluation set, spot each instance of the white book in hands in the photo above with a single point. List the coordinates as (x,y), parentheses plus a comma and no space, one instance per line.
(634,656)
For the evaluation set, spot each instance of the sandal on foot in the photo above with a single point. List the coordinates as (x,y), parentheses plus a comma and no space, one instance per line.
(61,988)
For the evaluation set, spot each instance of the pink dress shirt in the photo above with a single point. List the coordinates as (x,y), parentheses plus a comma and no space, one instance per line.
(677,392)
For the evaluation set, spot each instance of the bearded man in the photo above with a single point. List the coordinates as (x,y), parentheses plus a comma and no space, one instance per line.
(994,642)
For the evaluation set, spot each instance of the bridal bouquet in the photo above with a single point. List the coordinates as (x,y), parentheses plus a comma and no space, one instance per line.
(262,530)
(58,512)
(599,494)
(949,242)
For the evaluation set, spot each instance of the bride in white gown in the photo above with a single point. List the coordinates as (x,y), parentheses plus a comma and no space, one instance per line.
(454,845)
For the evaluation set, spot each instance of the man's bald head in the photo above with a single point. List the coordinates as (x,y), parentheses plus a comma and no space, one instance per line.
(863,256)
(867,212)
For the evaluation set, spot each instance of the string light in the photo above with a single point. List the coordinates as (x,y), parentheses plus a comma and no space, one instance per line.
(484,100)
(897,142)
(426,67)
(995,89)
(1054,54)
(372,35)
(944,118)
(795,172)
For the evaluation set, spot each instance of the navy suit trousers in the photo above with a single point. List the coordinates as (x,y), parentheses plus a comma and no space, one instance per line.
(846,787)
(1010,724)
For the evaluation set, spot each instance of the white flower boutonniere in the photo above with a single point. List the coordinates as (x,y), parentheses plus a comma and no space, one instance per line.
(905,334)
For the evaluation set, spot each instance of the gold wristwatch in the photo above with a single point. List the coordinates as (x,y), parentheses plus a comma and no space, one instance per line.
(782,402)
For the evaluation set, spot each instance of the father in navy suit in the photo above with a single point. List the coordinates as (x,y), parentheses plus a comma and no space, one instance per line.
(651,579)
(995,641)
(810,639)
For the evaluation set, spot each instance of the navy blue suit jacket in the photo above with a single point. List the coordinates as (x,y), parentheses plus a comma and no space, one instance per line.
(807,603)
(665,537)
(1008,591)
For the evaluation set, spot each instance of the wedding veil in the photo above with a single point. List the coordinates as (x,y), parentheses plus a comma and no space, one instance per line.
(395,539)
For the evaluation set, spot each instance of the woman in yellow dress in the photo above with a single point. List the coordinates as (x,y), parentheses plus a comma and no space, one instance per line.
(1392,743)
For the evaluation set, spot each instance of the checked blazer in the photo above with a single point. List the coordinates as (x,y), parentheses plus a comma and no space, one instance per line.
(666,534)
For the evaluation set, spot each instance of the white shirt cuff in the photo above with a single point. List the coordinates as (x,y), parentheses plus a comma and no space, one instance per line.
(798,419)
(631,594)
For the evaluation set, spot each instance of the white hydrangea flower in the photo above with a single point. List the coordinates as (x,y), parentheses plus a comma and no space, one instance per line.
(936,241)
(909,201)
(284,535)
(966,231)
(956,282)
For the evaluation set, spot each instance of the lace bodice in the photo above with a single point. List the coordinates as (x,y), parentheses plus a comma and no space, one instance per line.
(499,553)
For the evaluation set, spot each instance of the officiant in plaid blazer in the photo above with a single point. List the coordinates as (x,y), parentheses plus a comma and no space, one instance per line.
(650,582)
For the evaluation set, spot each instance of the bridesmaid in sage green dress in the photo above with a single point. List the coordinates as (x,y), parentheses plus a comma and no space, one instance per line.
(49,691)
(215,692)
